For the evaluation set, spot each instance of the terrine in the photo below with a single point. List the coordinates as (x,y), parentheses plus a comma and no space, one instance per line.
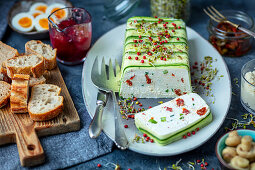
(155,61)
(176,119)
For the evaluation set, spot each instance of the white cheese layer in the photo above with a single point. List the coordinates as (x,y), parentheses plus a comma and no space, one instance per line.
(248,90)
(155,82)
(169,118)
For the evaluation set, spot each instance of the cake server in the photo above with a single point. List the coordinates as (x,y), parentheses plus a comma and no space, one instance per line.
(109,83)
(95,127)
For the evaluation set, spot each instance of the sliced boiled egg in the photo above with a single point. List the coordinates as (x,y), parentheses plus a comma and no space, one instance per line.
(39,6)
(23,22)
(35,13)
(61,14)
(41,22)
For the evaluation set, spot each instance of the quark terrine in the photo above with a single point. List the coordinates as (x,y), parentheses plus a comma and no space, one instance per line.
(155,62)
(173,120)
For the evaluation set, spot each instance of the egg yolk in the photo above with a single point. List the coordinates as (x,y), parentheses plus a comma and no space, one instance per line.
(36,14)
(59,14)
(44,23)
(25,22)
(41,8)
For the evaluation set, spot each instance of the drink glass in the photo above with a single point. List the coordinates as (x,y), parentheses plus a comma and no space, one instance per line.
(71,35)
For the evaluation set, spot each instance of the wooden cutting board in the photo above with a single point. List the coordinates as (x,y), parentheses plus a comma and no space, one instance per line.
(20,129)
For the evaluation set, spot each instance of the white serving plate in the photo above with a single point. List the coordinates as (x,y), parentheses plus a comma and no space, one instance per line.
(111,45)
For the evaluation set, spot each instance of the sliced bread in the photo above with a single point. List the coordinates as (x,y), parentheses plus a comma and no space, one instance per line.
(45,50)
(31,64)
(4,76)
(19,93)
(5,89)
(6,52)
(35,81)
(45,102)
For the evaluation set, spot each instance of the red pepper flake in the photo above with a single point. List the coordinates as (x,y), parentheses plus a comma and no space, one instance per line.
(152,117)
(140,36)
(164,59)
(161,58)
(193,132)
(148,80)
(198,161)
(196,63)
(178,38)
(161,43)
(179,27)
(174,24)
(166,22)
(144,135)
(197,129)
(173,30)
(147,139)
(140,104)
(202,111)
(158,46)
(159,22)
(169,109)
(140,41)
(129,57)
(186,111)
(202,165)
(178,92)
(155,16)
(173,75)
(134,99)
(99,165)
(129,169)
(167,36)
(138,53)
(182,80)
(125,126)
(149,53)
(192,99)
(135,41)
(184,137)
(150,107)
(142,61)
(144,57)
(136,58)
(206,164)
(152,140)
(129,82)
(188,134)
(135,21)
(153,49)
(155,43)
(166,31)
(131,78)
(132,116)
(179,102)
(166,41)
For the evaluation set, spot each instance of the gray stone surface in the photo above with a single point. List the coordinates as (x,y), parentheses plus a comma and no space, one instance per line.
(128,159)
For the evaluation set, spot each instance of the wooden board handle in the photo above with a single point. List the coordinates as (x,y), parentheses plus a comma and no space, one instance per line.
(30,149)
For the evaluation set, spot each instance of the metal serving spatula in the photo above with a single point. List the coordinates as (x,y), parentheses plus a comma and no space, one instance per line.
(110,85)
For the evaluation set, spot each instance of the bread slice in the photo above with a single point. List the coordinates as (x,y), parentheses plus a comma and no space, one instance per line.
(19,93)
(45,102)
(6,52)
(31,64)
(45,50)
(5,89)
(35,81)
(4,76)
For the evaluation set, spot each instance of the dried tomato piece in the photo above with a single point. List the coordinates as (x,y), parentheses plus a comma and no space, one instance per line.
(180,102)
(202,111)
(186,111)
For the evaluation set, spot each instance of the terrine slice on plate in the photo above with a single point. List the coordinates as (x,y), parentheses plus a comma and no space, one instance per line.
(172,120)
(155,61)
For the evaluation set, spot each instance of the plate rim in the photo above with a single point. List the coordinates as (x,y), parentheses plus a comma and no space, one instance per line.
(164,154)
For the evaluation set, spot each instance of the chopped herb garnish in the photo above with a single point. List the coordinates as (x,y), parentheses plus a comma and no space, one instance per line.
(153,121)
(171,115)
(165,72)
(163,119)
(146,73)
(167,90)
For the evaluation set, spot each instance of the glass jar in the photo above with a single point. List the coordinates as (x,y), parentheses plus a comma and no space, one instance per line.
(248,86)
(228,40)
(179,9)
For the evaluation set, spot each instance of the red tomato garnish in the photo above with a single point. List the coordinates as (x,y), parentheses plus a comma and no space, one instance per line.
(186,111)
(202,111)
(180,102)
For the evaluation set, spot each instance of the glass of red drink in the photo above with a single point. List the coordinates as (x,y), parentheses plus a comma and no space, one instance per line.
(71,34)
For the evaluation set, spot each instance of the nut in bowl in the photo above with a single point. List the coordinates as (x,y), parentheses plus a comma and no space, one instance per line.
(30,17)
(236,149)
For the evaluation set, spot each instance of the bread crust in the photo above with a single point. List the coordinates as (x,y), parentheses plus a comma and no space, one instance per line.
(36,70)
(8,48)
(19,93)
(37,81)
(47,115)
(5,100)
(48,63)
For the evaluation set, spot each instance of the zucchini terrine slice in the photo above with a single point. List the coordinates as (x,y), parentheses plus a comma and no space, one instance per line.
(155,61)
(172,120)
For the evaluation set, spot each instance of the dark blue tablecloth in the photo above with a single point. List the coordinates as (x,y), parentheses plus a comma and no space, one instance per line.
(128,159)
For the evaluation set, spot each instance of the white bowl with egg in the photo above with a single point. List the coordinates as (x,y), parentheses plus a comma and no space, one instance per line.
(27,17)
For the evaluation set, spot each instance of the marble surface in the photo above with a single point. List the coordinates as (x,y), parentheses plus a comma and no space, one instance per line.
(198,21)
